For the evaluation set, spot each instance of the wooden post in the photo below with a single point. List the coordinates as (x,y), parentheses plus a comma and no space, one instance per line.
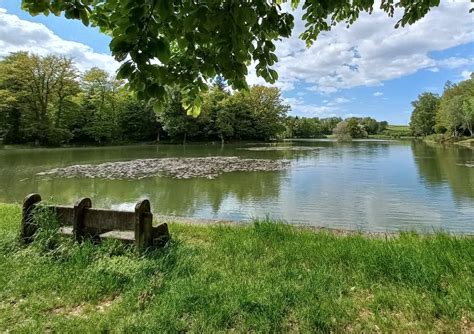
(28,226)
(78,220)
(143,225)
(161,235)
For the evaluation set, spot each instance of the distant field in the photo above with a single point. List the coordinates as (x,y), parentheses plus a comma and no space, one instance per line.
(398,128)
(394,132)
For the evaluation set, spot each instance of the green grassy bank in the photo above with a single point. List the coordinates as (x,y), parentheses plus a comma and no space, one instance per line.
(262,277)
(395,132)
(439,138)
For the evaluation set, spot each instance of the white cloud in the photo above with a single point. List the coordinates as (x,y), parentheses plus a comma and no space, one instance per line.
(337,101)
(327,108)
(466,75)
(341,100)
(371,51)
(455,62)
(377,94)
(21,35)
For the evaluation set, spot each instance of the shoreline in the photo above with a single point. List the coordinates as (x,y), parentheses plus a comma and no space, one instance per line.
(205,222)
(341,232)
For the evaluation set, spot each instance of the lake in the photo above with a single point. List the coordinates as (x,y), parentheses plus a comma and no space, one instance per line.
(362,185)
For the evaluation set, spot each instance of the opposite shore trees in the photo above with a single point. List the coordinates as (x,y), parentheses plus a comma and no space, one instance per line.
(452,114)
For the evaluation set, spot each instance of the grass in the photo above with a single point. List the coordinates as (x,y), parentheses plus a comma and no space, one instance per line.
(444,138)
(264,277)
(395,132)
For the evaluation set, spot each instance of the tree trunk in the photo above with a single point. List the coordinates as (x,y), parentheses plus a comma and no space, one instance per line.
(184,138)
(59,114)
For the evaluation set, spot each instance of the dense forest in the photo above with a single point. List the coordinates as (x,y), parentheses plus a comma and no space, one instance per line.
(450,115)
(47,101)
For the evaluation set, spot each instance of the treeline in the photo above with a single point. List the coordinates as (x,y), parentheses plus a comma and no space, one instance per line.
(47,101)
(354,127)
(256,114)
(450,115)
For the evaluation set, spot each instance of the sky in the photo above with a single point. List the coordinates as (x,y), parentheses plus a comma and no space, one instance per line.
(369,69)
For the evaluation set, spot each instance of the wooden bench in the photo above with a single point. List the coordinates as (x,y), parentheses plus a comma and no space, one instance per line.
(82,221)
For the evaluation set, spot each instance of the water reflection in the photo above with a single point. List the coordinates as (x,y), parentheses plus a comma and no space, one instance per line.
(369,185)
(167,195)
(440,166)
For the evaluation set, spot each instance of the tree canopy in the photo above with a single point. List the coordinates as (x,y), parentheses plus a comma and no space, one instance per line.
(188,43)
(452,114)
(422,120)
(45,99)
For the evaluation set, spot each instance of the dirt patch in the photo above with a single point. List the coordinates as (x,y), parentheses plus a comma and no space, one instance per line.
(83,308)
(180,168)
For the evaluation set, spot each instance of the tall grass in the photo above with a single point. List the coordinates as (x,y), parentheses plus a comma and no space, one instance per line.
(262,277)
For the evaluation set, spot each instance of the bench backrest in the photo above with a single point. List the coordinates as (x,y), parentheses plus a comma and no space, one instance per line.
(90,222)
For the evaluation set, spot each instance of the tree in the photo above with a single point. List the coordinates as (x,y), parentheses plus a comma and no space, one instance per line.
(356,129)
(245,118)
(423,117)
(36,89)
(455,113)
(225,123)
(306,128)
(383,125)
(176,122)
(220,120)
(467,115)
(67,86)
(342,131)
(372,126)
(100,100)
(137,120)
(267,108)
(194,41)
(328,124)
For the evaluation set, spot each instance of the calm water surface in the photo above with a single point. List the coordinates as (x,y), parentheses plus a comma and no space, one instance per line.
(367,185)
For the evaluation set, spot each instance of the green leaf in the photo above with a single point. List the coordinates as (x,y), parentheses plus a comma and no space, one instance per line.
(162,50)
(125,70)
(158,107)
(84,17)
(119,43)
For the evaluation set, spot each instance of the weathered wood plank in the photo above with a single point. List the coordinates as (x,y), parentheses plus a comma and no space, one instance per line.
(65,214)
(109,220)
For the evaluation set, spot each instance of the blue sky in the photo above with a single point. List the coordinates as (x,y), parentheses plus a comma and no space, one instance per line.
(370,69)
